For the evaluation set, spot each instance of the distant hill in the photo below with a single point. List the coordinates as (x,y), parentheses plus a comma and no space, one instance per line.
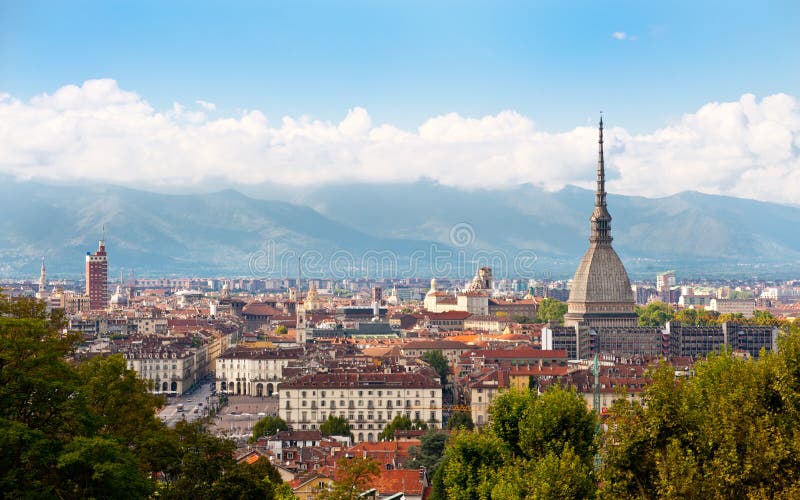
(205,234)
(225,233)
(689,230)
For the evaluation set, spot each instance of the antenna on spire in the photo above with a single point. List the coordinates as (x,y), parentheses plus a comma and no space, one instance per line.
(600,195)
(601,219)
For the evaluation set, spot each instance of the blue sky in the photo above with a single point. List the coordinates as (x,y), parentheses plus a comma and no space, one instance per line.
(555,62)
(204,95)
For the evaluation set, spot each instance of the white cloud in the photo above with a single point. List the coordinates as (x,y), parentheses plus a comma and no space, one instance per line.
(208,106)
(99,132)
(623,36)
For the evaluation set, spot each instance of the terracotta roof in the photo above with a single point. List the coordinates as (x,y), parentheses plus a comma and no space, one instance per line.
(445,315)
(260,309)
(436,344)
(397,481)
(363,380)
(244,352)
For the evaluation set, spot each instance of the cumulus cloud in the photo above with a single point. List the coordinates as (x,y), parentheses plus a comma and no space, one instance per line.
(99,132)
(208,106)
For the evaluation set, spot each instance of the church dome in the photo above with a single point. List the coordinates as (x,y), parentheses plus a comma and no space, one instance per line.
(601,278)
(119,298)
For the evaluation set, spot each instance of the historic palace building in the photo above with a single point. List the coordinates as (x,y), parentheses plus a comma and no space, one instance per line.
(601,294)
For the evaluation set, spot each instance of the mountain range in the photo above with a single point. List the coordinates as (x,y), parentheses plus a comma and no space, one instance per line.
(365,229)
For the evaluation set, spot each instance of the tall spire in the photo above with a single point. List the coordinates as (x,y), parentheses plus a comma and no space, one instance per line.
(600,194)
(601,219)
(42,279)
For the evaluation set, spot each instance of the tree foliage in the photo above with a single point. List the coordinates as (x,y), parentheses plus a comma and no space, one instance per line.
(556,420)
(88,430)
(461,420)
(335,426)
(438,362)
(534,447)
(551,310)
(655,314)
(730,431)
(429,453)
(506,415)
(353,475)
(268,426)
(400,423)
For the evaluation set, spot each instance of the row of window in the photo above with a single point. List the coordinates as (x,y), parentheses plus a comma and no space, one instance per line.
(360,393)
(398,404)
(351,417)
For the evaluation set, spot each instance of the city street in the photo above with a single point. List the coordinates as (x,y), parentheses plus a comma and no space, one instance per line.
(195,405)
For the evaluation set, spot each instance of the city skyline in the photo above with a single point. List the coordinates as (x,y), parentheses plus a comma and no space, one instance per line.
(186,100)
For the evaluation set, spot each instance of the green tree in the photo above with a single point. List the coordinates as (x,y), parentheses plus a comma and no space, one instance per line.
(335,426)
(555,475)
(556,420)
(121,400)
(88,430)
(762,317)
(268,426)
(438,362)
(400,423)
(41,406)
(698,317)
(204,459)
(551,310)
(281,330)
(655,314)
(259,480)
(461,420)
(97,467)
(430,451)
(353,475)
(506,415)
(730,431)
(471,466)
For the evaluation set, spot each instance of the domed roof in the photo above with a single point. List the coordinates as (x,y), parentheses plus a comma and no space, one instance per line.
(601,277)
(119,298)
(601,291)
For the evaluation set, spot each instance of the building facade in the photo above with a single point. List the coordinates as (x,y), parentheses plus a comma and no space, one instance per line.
(97,278)
(253,371)
(369,401)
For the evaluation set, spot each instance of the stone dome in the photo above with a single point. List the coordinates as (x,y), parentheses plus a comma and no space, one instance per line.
(601,278)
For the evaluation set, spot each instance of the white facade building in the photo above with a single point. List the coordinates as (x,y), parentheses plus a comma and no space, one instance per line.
(253,371)
(369,401)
